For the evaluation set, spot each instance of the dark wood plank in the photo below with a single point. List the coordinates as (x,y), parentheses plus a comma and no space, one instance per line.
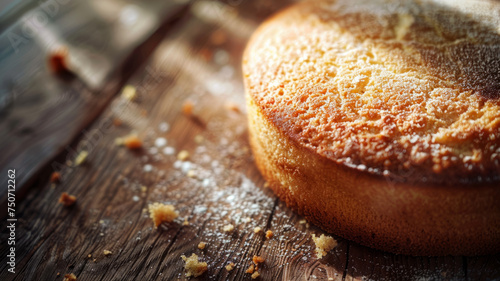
(199,62)
(40,112)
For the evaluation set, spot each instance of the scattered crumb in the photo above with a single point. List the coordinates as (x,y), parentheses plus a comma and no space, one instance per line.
(257,259)
(257,230)
(101,221)
(58,60)
(191,174)
(185,222)
(187,108)
(59,273)
(193,266)
(162,213)
(323,244)
(183,155)
(89,256)
(233,107)
(119,141)
(55,177)
(218,37)
(66,199)
(129,92)
(107,252)
(82,156)
(132,142)
(94,260)
(69,277)
(228,228)
(302,221)
(117,122)
(269,234)
(255,275)
(201,245)
(330,278)
(230,266)
(250,269)
(198,139)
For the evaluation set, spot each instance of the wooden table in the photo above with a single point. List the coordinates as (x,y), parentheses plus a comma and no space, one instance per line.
(195,59)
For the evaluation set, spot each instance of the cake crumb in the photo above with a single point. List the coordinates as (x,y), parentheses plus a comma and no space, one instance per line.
(257,259)
(198,139)
(69,277)
(185,222)
(159,213)
(187,108)
(323,244)
(58,60)
(193,266)
(82,156)
(183,155)
(302,221)
(257,230)
(55,177)
(107,252)
(132,142)
(67,200)
(250,269)
(255,275)
(89,256)
(117,122)
(269,234)
(202,245)
(191,174)
(228,228)
(129,92)
(230,266)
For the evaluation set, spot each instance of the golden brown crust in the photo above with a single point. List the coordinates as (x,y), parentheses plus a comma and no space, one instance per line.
(406,90)
(392,216)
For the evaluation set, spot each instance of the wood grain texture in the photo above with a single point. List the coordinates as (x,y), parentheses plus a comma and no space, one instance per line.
(198,62)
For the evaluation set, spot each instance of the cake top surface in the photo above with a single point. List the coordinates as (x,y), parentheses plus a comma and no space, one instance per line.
(405,89)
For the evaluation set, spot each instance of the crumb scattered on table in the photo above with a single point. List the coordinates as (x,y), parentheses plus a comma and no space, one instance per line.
(117,122)
(129,92)
(230,266)
(185,222)
(82,156)
(187,108)
(257,259)
(250,269)
(58,60)
(202,245)
(69,277)
(193,266)
(198,139)
(323,244)
(162,213)
(183,155)
(67,200)
(107,252)
(228,228)
(269,234)
(55,177)
(132,142)
(255,275)
(257,230)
